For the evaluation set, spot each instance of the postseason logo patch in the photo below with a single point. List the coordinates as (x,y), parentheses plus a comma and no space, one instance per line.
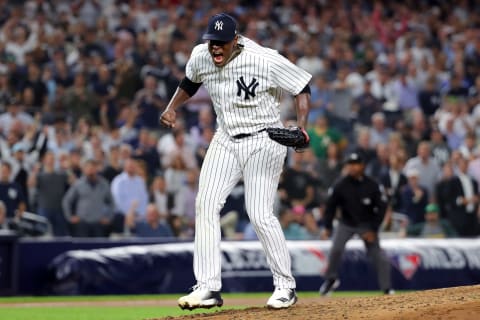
(407,264)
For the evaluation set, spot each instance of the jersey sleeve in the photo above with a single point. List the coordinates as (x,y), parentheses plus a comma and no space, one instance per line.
(287,75)
(192,67)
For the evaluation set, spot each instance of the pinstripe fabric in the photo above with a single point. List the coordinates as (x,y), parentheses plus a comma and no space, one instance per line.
(259,160)
(246,95)
(271,71)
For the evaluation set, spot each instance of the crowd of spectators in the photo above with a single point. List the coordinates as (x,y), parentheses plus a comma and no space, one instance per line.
(82,84)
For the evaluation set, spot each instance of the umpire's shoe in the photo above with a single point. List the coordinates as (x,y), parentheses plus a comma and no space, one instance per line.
(200,298)
(282,298)
(329,286)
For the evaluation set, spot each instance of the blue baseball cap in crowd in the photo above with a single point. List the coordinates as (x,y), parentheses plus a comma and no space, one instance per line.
(221,27)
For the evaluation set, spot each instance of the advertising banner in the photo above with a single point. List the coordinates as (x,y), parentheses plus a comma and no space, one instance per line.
(416,264)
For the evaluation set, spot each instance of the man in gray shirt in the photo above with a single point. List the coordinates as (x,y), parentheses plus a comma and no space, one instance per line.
(427,166)
(50,185)
(88,204)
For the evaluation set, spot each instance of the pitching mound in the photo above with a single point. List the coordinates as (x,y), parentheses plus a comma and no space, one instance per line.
(461,303)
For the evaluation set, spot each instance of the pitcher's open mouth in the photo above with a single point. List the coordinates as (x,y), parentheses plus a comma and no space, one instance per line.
(217,58)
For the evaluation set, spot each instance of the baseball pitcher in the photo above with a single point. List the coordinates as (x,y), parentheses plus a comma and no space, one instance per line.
(245,81)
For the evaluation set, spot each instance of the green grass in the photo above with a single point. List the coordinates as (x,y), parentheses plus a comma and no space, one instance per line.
(167,296)
(124,312)
(94,313)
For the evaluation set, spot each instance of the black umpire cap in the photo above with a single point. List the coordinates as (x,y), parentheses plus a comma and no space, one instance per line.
(221,27)
(354,158)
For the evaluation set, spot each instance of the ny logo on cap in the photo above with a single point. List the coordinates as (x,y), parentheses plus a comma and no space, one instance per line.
(218,25)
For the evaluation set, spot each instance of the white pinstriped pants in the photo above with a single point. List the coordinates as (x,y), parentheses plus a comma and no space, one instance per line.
(259,160)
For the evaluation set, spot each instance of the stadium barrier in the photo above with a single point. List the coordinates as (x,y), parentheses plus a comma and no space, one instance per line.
(84,266)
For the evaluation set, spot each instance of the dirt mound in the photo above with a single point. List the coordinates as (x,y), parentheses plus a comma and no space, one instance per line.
(461,303)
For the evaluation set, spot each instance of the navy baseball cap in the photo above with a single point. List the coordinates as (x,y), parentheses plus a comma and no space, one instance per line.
(354,158)
(221,27)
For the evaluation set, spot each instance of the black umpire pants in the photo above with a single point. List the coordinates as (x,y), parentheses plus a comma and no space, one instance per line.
(375,254)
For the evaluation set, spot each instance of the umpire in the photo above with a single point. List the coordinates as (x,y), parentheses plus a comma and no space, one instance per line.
(362,205)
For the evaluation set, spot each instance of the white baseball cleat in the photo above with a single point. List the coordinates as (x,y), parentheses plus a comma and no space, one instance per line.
(282,298)
(200,298)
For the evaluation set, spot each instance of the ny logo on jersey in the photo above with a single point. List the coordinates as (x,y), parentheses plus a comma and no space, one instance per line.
(218,25)
(248,90)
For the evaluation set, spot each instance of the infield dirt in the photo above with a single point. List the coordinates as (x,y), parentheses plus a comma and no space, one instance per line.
(462,303)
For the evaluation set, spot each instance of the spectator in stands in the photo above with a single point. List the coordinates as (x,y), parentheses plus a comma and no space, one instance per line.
(158,194)
(321,135)
(379,132)
(153,224)
(438,146)
(442,189)
(433,227)
(35,83)
(330,168)
(128,188)
(20,40)
(393,180)
(414,197)
(307,220)
(80,100)
(249,233)
(362,145)
(22,163)
(396,144)
(184,202)
(75,162)
(14,114)
(200,116)
(180,150)
(291,229)
(88,204)
(149,104)
(10,192)
(60,139)
(175,175)
(474,165)
(342,100)
(406,91)
(379,165)
(296,186)
(429,97)
(50,186)
(147,151)
(201,150)
(126,152)
(113,168)
(463,200)
(3,216)
(457,86)
(427,165)
(366,105)
(321,98)
(468,146)
(454,139)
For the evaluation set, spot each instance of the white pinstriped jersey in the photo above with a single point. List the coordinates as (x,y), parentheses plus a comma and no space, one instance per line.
(246,91)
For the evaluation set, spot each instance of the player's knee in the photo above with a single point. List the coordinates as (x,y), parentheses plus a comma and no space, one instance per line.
(207,203)
(259,222)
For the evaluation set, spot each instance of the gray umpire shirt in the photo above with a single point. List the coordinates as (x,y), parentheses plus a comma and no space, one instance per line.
(90,202)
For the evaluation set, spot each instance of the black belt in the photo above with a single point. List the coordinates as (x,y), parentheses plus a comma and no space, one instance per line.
(246,135)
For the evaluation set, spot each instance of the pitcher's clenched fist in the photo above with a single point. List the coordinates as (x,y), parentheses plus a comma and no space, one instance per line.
(167,118)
